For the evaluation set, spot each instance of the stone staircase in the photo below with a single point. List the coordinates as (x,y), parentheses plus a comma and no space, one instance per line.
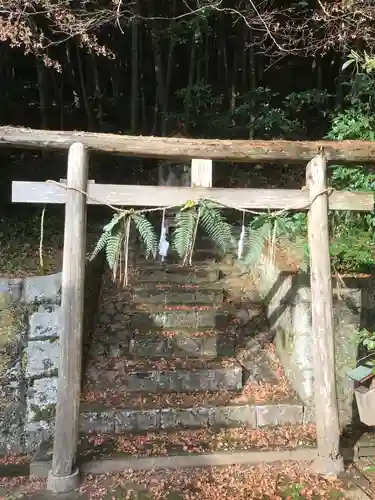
(185,359)
(177,365)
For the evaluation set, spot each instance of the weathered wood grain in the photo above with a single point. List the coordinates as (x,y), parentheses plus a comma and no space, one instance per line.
(70,362)
(201,173)
(177,148)
(160,196)
(329,460)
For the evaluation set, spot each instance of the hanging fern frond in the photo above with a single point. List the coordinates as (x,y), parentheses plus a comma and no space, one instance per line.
(126,240)
(216,226)
(183,239)
(113,248)
(100,245)
(256,239)
(147,234)
(116,219)
(108,232)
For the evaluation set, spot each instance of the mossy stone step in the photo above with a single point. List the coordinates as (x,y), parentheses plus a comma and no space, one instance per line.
(177,294)
(190,344)
(96,418)
(160,273)
(153,319)
(198,376)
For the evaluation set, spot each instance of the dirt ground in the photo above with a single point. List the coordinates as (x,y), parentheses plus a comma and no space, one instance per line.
(273,481)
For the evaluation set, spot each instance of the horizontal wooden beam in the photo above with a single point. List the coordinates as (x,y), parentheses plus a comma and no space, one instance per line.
(174,148)
(161,196)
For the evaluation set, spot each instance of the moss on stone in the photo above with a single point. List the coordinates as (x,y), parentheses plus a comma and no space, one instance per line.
(44,414)
(10,324)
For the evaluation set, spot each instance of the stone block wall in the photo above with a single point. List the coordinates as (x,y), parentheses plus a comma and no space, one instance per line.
(30,327)
(29,330)
(288,299)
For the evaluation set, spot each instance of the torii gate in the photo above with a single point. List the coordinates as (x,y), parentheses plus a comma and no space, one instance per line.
(317,199)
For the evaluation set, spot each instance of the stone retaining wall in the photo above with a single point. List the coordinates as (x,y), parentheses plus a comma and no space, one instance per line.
(30,326)
(288,300)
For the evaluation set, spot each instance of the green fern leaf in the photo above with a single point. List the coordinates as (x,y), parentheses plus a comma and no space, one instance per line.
(183,235)
(114,247)
(216,226)
(256,239)
(147,234)
(114,221)
(108,231)
(100,245)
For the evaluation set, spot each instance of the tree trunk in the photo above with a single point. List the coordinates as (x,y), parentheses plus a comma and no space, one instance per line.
(134,95)
(58,88)
(253,84)
(43,92)
(190,80)
(89,116)
(98,91)
(225,59)
(156,114)
(206,53)
(114,77)
(168,77)
(233,89)
(159,74)
(143,85)
(244,63)
(77,95)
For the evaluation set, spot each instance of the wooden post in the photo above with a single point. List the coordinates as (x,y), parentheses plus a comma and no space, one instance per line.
(329,460)
(201,173)
(64,476)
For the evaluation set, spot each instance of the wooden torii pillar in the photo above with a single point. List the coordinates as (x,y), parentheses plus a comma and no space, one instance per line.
(64,475)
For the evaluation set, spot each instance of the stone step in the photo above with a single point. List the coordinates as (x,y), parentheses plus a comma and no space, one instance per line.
(150,319)
(183,343)
(123,412)
(167,375)
(195,441)
(173,273)
(169,294)
(182,449)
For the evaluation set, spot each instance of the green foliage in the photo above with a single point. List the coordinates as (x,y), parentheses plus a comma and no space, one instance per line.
(293,492)
(367,339)
(184,234)
(352,246)
(209,217)
(352,249)
(258,234)
(258,110)
(285,231)
(353,124)
(216,226)
(114,241)
(270,115)
(362,62)
(147,234)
